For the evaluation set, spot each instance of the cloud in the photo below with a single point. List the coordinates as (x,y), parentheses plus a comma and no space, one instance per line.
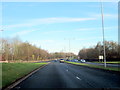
(98,28)
(35,22)
(55,31)
(43,42)
(81,39)
(24,32)
(93,38)
(106,16)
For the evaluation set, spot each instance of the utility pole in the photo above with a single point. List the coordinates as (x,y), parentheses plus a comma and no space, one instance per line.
(69,39)
(103,33)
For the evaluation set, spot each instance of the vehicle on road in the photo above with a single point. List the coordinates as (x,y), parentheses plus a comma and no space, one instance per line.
(67,60)
(82,60)
(61,60)
(74,60)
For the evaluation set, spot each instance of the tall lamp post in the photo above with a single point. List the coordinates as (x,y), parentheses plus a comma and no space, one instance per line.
(103,33)
(69,39)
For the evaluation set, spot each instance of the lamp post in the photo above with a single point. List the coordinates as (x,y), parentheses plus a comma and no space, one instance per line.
(69,39)
(103,33)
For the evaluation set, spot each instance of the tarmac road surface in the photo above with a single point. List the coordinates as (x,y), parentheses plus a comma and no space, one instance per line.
(63,75)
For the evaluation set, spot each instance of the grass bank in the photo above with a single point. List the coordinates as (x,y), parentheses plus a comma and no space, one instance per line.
(96,66)
(14,71)
(109,62)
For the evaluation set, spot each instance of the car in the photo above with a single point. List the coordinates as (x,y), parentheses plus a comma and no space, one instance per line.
(61,60)
(75,60)
(82,60)
(67,60)
(55,60)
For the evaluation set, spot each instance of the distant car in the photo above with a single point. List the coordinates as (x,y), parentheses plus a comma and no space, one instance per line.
(74,60)
(82,60)
(55,60)
(61,60)
(67,60)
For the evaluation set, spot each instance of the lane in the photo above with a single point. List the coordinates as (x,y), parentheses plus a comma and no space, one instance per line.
(96,78)
(62,75)
(46,77)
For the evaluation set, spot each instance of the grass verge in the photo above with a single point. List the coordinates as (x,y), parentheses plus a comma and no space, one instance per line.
(109,62)
(96,66)
(13,71)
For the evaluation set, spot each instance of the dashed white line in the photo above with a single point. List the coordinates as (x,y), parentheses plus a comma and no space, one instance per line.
(78,78)
(17,87)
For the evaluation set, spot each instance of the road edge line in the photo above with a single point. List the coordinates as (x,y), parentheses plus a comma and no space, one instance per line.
(12,85)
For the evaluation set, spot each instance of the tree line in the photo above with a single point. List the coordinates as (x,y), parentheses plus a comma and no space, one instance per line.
(112,51)
(14,49)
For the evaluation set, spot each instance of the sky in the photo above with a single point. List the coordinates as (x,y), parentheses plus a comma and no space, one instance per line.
(60,26)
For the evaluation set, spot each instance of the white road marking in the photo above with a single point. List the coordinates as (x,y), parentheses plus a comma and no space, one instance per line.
(17,87)
(78,78)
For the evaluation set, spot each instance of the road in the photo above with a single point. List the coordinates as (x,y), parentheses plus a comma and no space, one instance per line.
(62,75)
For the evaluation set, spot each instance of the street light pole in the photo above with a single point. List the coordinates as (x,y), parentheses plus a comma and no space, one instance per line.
(69,39)
(103,33)
(69,48)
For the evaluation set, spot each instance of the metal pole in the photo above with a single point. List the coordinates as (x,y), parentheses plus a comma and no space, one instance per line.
(69,48)
(69,39)
(103,33)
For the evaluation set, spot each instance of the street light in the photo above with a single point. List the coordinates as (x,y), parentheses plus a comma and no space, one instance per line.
(103,33)
(69,39)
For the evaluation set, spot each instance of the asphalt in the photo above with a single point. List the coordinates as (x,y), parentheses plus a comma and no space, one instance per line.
(63,75)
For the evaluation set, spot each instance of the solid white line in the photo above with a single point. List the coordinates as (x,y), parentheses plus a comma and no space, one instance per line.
(78,78)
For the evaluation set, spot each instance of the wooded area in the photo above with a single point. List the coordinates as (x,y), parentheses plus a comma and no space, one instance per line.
(14,49)
(112,51)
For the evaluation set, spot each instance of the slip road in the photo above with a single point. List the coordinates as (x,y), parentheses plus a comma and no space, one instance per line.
(62,75)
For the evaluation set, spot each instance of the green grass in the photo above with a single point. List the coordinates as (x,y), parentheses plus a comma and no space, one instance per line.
(96,66)
(111,62)
(13,71)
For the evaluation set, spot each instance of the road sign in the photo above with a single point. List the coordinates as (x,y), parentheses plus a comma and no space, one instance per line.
(100,57)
